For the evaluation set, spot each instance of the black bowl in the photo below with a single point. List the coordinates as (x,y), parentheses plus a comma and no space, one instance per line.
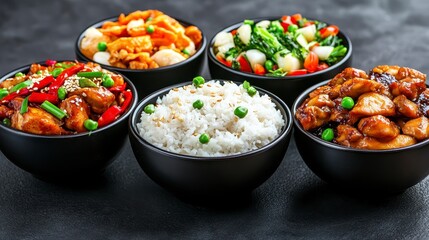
(66,157)
(209,176)
(150,80)
(288,87)
(376,171)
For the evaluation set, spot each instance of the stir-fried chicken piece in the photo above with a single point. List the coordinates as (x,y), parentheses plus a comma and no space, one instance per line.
(374,144)
(320,90)
(5,112)
(340,114)
(423,102)
(78,111)
(312,117)
(378,127)
(10,82)
(35,120)
(99,99)
(370,104)
(418,128)
(347,135)
(392,70)
(405,72)
(347,74)
(406,107)
(321,101)
(355,87)
(410,87)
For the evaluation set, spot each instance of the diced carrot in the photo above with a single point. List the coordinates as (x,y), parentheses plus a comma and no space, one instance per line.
(259,69)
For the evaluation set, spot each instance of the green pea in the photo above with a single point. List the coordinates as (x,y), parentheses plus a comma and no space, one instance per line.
(204,138)
(3,93)
(150,29)
(251,91)
(149,109)
(246,85)
(90,124)
(102,46)
(328,134)
(186,51)
(57,71)
(19,74)
(240,111)
(347,103)
(108,81)
(292,28)
(269,65)
(62,92)
(7,122)
(198,104)
(198,81)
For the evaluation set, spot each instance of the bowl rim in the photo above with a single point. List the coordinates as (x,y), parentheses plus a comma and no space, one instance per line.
(135,117)
(99,23)
(298,101)
(213,58)
(123,117)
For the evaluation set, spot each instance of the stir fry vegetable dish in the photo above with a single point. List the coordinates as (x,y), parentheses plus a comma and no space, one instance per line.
(61,98)
(141,40)
(389,108)
(289,46)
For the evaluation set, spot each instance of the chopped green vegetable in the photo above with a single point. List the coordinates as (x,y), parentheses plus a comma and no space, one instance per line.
(57,71)
(198,81)
(150,29)
(251,91)
(90,124)
(86,82)
(198,104)
(246,85)
(90,74)
(347,103)
(204,138)
(250,22)
(186,51)
(337,54)
(102,46)
(240,111)
(39,72)
(3,93)
(6,122)
(54,110)
(19,74)
(24,106)
(275,27)
(62,92)
(149,109)
(20,86)
(328,134)
(292,28)
(108,81)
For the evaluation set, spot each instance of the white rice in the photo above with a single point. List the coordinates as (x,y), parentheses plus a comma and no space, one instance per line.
(176,126)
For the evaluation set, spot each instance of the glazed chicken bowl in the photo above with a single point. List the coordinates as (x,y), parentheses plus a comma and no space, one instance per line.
(212,139)
(366,131)
(64,119)
(284,55)
(147,46)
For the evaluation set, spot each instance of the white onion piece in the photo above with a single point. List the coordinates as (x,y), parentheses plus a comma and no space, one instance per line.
(102,57)
(167,57)
(223,38)
(224,48)
(309,32)
(288,62)
(255,56)
(263,24)
(322,52)
(244,32)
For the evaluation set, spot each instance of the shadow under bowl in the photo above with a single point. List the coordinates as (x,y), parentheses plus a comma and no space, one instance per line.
(287,87)
(66,157)
(373,171)
(147,81)
(195,176)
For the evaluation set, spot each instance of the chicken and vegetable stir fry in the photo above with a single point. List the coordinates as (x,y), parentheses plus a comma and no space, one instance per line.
(61,98)
(389,108)
(141,40)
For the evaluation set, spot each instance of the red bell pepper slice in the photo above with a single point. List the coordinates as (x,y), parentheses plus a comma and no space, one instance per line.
(59,81)
(286,21)
(223,61)
(113,112)
(330,30)
(295,18)
(119,88)
(244,64)
(297,72)
(37,97)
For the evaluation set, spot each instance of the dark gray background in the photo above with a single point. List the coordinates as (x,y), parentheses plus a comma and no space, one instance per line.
(126,204)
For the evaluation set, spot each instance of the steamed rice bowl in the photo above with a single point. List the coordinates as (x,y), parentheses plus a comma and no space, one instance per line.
(176,124)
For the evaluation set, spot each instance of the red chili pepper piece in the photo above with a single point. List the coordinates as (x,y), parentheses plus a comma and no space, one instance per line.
(42,83)
(50,62)
(59,81)
(36,97)
(119,88)
(297,72)
(128,95)
(9,97)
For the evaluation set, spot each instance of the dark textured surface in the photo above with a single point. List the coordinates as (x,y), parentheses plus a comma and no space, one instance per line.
(126,204)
